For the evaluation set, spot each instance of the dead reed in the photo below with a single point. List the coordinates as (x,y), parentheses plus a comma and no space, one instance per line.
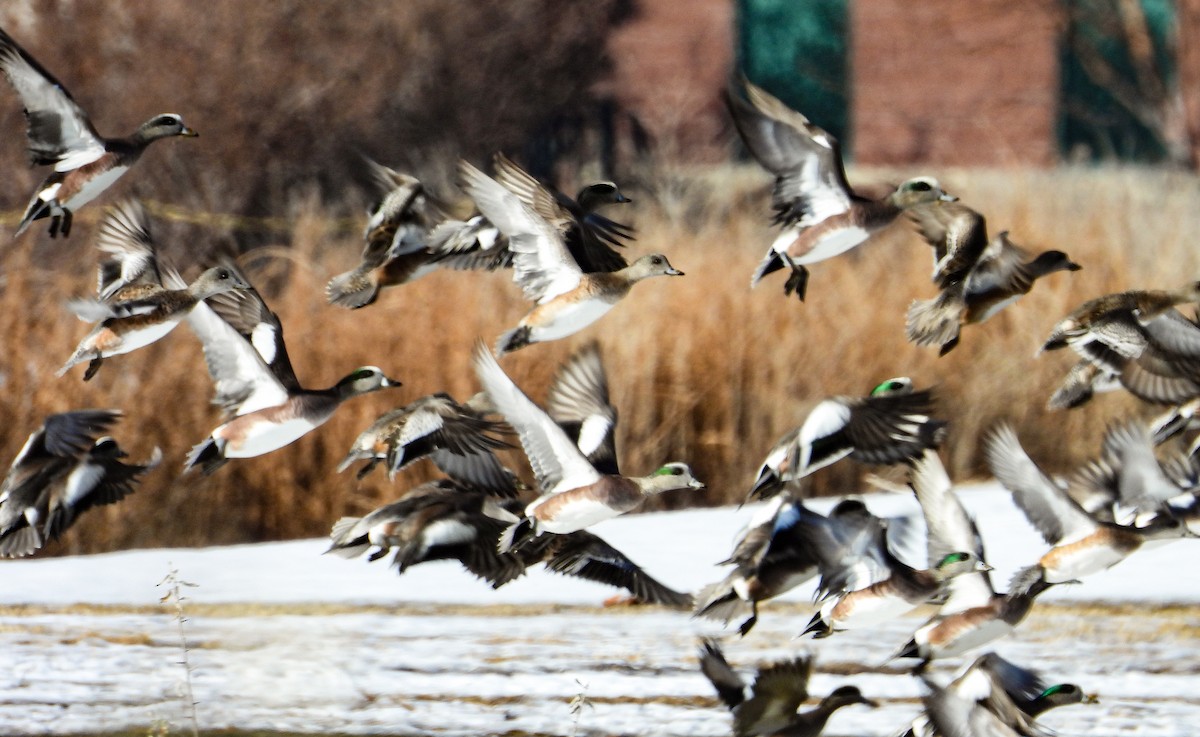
(702,368)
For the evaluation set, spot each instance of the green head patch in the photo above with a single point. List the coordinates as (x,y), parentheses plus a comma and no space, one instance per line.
(953,558)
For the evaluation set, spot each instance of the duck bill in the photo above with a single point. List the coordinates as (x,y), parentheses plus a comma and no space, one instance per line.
(870,702)
(672,271)
(391,382)
(188,132)
(694,484)
(947,197)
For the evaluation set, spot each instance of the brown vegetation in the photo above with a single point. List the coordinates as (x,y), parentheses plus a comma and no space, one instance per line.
(702,368)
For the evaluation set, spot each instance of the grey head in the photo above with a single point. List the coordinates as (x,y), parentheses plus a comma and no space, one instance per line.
(893,387)
(675,475)
(960,563)
(217,280)
(165,125)
(654,264)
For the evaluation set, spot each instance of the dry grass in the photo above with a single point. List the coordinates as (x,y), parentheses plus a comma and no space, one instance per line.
(702,368)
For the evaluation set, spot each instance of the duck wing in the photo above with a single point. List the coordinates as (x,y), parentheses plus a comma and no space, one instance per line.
(542,266)
(950,530)
(59,131)
(578,401)
(1047,505)
(554,458)
(132,253)
(810,181)
(584,555)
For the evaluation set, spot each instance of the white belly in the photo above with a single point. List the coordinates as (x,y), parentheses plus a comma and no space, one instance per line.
(833,244)
(144,337)
(1072,567)
(570,320)
(866,611)
(574,516)
(91,189)
(263,437)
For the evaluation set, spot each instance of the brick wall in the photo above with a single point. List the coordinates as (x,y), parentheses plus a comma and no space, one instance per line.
(954,83)
(671,62)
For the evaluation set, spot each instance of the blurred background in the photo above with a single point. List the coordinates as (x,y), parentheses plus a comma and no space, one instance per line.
(1073,124)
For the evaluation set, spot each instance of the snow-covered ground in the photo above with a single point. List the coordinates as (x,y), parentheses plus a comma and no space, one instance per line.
(388,656)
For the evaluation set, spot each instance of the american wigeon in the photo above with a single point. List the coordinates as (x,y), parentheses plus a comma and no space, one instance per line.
(458,438)
(1129,483)
(64,469)
(993,697)
(402,241)
(778,691)
(447,520)
(124,325)
(1081,544)
(892,424)
(574,494)
(820,214)
(566,299)
(254,382)
(973,614)
(976,287)
(863,580)
(770,557)
(60,134)
(1135,337)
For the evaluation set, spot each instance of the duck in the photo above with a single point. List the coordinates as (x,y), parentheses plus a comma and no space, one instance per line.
(66,467)
(1129,484)
(1134,337)
(566,299)
(447,519)
(770,557)
(1081,544)
(255,384)
(402,242)
(820,215)
(125,324)
(992,696)
(864,581)
(779,689)
(973,614)
(458,438)
(976,283)
(574,495)
(892,424)
(61,135)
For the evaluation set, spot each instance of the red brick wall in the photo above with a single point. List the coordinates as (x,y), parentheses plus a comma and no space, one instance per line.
(954,83)
(670,63)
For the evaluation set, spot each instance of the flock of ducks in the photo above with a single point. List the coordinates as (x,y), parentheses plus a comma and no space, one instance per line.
(566,257)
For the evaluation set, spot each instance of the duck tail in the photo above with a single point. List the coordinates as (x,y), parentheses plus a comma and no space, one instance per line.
(513,340)
(718,601)
(353,289)
(818,627)
(770,264)
(909,650)
(341,544)
(209,453)
(936,321)
(20,542)
(38,209)
(516,535)
(1029,581)
(767,485)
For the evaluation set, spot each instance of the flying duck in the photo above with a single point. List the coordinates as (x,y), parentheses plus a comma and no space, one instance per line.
(890,425)
(64,469)
(403,242)
(126,324)
(574,495)
(255,383)
(821,216)
(770,705)
(566,299)
(61,134)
